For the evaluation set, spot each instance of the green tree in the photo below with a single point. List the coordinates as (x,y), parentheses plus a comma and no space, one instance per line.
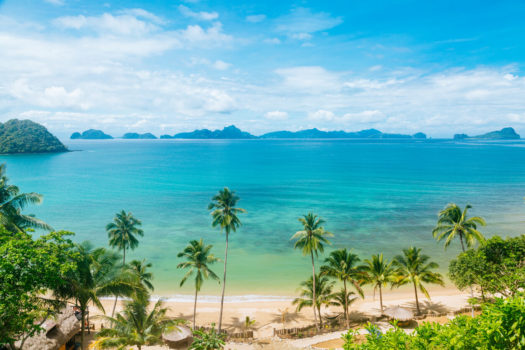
(455,223)
(140,269)
(344,299)
(208,340)
(122,234)
(311,241)
(322,295)
(414,267)
(29,268)
(378,272)
(224,213)
(343,265)
(97,275)
(198,259)
(12,203)
(135,325)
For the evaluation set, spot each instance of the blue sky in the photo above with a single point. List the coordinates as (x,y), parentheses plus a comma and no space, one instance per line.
(439,67)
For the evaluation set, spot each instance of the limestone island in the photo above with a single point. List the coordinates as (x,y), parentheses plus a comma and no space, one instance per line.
(26,136)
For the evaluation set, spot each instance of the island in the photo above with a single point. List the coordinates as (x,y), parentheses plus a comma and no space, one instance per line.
(503,134)
(319,134)
(137,136)
(229,132)
(26,136)
(91,134)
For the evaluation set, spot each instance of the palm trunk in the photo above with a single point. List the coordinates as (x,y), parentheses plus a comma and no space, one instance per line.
(417,300)
(223,282)
(82,327)
(346,306)
(470,287)
(320,318)
(116,296)
(381,298)
(195,309)
(314,299)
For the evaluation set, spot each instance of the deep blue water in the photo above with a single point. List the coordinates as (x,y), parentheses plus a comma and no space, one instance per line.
(376,196)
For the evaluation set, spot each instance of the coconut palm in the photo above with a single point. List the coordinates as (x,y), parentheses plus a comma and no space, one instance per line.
(122,234)
(12,202)
(344,299)
(414,267)
(455,223)
(140,269)
(224,214)
(378,272)
(198,259)
(135,326)
(311,241)
(322,294)
(96,275)
(342,265)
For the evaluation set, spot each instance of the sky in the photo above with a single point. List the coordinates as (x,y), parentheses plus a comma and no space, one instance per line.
(440,67)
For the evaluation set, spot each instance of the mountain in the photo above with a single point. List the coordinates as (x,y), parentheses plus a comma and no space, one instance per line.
(503,134)
(91,134)
(26,136)
(318,134)
(135,136)
(229,132)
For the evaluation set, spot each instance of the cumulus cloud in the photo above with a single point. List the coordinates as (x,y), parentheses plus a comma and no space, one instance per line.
(301,23)
(310,78)
(124,24)
(202,15)
(276,115)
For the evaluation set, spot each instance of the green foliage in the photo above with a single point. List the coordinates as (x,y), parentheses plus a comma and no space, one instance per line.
(312,238)
(378,272)
(323,294)
(454,222)
(498,266)
(198,257)
(122,232)
(28,268)
(501,325)
(224,211)
(135,325)
(211,340)
(25,136)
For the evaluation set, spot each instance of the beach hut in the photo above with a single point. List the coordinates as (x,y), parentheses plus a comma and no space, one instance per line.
(180,338)
(402,315)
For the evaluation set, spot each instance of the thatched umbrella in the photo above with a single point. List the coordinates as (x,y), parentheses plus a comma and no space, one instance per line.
(179,338)
(399,313)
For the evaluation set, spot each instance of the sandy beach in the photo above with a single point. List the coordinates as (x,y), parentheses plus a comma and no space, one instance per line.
(269,314)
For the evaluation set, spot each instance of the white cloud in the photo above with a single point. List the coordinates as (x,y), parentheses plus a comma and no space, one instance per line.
(202,15)
(310,78)
(276,115)
(273,41)
(255,18)
(322,115)
(211,37)
(221,65)
(302,21)
(123,24)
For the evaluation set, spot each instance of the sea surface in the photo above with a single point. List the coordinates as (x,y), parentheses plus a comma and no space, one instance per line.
(375,195)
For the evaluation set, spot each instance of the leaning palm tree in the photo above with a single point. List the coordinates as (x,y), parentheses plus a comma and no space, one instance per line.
(378,272)
(342,265)
(322,294)
(96,275)
(198,257)
(414,267)
(135,326)
(311,241)
(455,223)
(224,214)
(140,269)
(122,234)
(344,299)
(12,202)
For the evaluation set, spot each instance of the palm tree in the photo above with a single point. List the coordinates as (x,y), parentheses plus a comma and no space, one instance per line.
(344,299)
(198,257)
(342,264)
(135,326)
(96,275)
(453,222)
(12,202)
(140,268)
(122,234)
(378,272)
(224,214)
(322,294)
(414,267)
(311,241)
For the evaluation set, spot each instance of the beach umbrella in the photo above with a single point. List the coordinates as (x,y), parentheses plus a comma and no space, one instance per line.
(399,313)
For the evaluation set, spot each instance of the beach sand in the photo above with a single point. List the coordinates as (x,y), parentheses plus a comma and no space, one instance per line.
(269,314)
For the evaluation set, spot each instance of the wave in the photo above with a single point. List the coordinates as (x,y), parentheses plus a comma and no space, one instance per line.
(186,298)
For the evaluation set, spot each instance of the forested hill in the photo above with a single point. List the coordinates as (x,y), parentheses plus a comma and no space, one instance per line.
(26,136)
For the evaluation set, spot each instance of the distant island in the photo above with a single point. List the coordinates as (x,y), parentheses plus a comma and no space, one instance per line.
(503,134)
(229,132)
(91,134)
(26,136)
(136,136)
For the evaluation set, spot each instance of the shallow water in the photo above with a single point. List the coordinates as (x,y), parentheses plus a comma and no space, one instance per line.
(376,196)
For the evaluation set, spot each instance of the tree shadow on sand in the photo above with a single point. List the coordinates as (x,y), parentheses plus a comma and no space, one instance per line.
(429,307)
(288,317)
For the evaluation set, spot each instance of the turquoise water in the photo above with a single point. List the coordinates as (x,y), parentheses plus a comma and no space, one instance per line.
(376,196)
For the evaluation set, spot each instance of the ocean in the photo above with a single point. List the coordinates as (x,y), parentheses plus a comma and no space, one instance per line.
(375,195)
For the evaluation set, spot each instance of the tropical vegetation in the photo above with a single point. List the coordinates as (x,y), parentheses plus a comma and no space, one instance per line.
(379,272)
(315,296)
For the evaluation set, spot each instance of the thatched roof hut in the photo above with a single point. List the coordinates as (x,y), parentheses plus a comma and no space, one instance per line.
(56,332)
(399,313)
